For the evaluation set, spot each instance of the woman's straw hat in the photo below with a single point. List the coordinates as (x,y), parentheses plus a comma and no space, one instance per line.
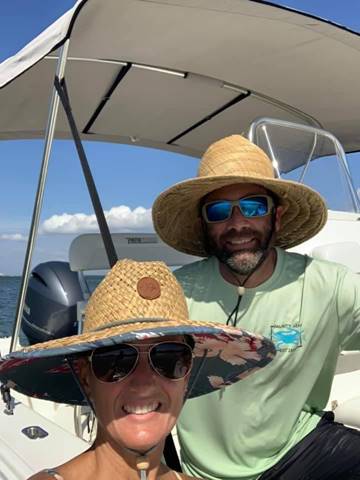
(136,301)
(233,160)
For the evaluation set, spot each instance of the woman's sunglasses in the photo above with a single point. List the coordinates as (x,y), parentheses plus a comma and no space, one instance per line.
(252,206)
(170,360)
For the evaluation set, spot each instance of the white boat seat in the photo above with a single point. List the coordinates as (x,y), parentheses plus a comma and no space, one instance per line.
(87,251)
(348,361)
(346,253)
(344,397)
(348,412)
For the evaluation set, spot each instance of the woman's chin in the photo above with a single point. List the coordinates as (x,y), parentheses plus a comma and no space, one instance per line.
(144,443)
(144,439)
(141,432)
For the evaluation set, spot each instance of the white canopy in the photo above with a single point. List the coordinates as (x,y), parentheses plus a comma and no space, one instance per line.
(178,75)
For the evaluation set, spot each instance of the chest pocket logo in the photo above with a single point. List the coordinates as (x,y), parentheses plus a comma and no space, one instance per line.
(286,338)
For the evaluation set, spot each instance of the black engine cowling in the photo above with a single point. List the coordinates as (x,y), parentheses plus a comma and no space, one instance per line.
(50,309)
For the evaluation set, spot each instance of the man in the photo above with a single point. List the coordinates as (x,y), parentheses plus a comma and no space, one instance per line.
(242,219)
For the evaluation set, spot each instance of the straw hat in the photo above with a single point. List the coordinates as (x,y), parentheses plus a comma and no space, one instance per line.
(136,301)
(233,160)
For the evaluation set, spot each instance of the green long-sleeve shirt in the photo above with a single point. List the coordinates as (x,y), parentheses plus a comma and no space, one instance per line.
(311,311)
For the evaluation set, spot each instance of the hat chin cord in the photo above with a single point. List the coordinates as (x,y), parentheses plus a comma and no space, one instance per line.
(142,460)
(233,317)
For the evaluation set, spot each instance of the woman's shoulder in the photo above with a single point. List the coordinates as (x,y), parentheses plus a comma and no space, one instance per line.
(75,468)
(47,475)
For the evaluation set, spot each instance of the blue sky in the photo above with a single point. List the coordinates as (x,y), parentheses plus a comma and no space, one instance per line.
(20,21)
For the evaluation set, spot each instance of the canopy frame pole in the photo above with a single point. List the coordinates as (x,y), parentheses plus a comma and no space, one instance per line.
(49,137)
(170,453)
(60,86)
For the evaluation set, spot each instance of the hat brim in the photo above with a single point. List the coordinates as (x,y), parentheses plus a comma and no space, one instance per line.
(222,356)
(177,217)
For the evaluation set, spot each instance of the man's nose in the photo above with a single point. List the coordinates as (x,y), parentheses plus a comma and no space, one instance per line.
(237,218)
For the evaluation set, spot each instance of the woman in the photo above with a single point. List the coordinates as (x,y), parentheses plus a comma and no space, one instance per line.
(138,358)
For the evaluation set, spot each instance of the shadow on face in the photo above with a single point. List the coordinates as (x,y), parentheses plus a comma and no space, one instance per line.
(140,410)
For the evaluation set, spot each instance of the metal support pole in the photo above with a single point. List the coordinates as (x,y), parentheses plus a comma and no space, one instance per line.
(49,136)
(307,163)
(95,199)
(340,153)
(274,161)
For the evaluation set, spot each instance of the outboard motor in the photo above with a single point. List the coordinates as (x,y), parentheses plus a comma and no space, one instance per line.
(50,309)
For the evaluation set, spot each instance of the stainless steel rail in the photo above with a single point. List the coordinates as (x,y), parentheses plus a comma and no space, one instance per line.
(49,137)
(314,131)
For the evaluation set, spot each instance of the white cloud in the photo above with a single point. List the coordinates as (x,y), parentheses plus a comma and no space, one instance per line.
(120,219)
(15,237)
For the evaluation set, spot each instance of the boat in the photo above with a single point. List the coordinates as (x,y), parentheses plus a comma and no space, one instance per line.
(176,76)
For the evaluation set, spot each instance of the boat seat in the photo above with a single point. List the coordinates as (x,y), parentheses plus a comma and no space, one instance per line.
(348,412)
(345,253)
(344,399)
(87,252)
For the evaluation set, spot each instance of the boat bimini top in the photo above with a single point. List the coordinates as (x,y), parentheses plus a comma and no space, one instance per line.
(179,75)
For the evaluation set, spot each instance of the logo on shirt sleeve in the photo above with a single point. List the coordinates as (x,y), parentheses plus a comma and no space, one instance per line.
(286,338)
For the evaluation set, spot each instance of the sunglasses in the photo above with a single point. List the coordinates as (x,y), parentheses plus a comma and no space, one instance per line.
(252,206)
(170,360)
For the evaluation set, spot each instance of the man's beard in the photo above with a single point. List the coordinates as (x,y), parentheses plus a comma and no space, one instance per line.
(244,262)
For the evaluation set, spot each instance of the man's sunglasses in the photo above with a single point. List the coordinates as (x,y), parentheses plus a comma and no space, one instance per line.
(170,360)
(252,206)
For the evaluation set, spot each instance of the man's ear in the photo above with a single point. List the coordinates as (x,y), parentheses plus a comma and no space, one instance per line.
(278,214)
(202,225)
(205,233)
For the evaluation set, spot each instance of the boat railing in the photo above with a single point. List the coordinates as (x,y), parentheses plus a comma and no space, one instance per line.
(319,143)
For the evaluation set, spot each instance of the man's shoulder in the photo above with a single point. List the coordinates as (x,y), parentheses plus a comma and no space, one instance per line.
(316,267)
(314,262)
(195,269)
(195,275)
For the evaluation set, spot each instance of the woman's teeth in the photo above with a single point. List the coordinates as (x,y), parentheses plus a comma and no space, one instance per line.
(141,410)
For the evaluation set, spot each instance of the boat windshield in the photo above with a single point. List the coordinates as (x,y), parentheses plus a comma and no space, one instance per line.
(310,156)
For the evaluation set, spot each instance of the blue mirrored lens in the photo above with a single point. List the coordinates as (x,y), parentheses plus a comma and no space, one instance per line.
(216,212)
(254,206)
(249,206)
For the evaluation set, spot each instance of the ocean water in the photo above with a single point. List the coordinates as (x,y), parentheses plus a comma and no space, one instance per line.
(9,290)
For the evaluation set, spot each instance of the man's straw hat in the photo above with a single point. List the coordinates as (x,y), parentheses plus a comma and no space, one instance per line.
(233,160)
(136,301)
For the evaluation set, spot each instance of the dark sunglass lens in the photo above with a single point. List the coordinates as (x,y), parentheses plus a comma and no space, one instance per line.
(218,211)
(171,360)
(115,364)
(254,206)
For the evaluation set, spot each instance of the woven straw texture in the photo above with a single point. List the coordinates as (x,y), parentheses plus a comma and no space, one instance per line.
(233,160)
(116,306)
(117,298)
